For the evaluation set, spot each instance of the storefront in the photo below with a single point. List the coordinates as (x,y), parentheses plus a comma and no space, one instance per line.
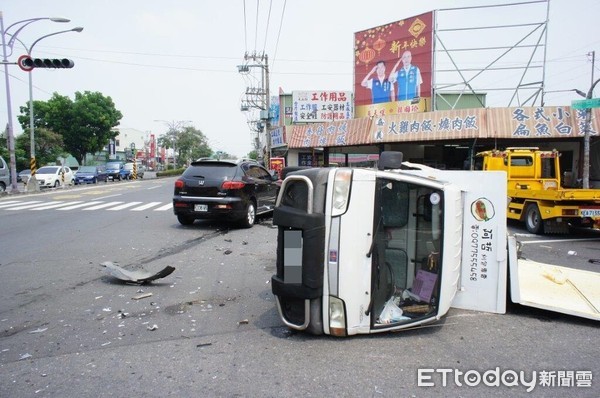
(446,139)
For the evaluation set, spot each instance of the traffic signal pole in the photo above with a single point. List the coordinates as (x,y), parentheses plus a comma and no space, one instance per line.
(19,25)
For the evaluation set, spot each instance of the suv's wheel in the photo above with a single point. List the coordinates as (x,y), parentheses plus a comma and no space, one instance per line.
(248,221)
(185,220)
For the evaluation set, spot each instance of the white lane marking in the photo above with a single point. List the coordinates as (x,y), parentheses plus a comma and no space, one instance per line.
(78,206)
(154,187)
(165,207)
(11,203)
(27,205)
(146,206)
(57,204)
(102,206)
(124,206)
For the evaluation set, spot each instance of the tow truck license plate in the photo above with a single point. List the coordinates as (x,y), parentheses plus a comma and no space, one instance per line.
(590,212)
(200,207)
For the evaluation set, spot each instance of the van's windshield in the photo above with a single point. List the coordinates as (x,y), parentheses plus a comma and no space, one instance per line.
(406,256)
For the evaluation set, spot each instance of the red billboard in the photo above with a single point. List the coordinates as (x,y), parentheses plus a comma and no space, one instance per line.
(393,67)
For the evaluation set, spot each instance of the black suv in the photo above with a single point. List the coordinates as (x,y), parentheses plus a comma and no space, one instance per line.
(235,190)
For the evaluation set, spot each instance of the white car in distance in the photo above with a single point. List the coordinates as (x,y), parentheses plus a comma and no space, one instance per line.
(52,176)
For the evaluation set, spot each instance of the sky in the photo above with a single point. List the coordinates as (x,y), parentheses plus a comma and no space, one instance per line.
(169,62)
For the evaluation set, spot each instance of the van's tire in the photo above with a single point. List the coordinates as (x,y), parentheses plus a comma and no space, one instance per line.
(533,219)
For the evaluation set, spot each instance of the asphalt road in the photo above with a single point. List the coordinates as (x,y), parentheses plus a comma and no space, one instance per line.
(68,328)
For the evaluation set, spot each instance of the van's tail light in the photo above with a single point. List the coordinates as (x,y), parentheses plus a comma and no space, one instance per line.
(232,185)
(179,184)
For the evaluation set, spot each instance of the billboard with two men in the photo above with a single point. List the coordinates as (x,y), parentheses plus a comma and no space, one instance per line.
(393,67)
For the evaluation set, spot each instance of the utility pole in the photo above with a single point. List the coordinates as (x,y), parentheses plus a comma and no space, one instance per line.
(259,98)
(588,122)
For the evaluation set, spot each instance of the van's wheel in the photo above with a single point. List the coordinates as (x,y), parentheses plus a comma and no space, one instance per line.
(248,221)
(533,219)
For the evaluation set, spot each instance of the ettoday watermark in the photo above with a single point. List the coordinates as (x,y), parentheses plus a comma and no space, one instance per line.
(508,378)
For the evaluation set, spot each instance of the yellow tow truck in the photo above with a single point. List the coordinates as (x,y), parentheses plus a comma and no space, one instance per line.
(535,193)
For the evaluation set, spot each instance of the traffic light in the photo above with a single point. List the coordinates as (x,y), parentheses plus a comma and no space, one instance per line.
(55,63)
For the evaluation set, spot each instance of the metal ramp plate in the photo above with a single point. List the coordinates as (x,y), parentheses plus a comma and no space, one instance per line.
(560,289)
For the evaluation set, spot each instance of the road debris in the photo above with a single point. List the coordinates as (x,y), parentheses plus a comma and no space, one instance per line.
(243,322)
(203,345)
(138,277)
(152,328)
(38,330)
(141,296)
(25,356)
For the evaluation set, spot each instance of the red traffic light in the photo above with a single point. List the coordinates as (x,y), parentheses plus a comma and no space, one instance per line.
(27,63)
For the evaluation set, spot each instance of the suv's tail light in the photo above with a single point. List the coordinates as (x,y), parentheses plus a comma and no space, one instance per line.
(179,184)
(233,185)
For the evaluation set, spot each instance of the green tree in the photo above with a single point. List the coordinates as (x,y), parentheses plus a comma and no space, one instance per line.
(21,158)
(253,154)
(85,123)
(49,146)
(191,144)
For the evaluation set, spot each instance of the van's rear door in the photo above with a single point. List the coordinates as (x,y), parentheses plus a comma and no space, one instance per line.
(554,288)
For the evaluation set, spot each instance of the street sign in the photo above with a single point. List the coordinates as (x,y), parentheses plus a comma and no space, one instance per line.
(587,103)
(22,64)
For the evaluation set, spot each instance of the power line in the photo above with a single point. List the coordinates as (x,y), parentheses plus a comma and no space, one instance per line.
(245,29)
(256,22)
(267,29)
(278,35)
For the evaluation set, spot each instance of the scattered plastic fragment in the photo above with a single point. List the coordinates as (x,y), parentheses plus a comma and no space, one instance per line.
(203,345)
(135,276)
(25,356)
(141,296)
(153,327)
(38,330)
(243,322)
(227,251)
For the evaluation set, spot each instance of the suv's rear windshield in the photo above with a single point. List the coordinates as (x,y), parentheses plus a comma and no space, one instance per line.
(217,170)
